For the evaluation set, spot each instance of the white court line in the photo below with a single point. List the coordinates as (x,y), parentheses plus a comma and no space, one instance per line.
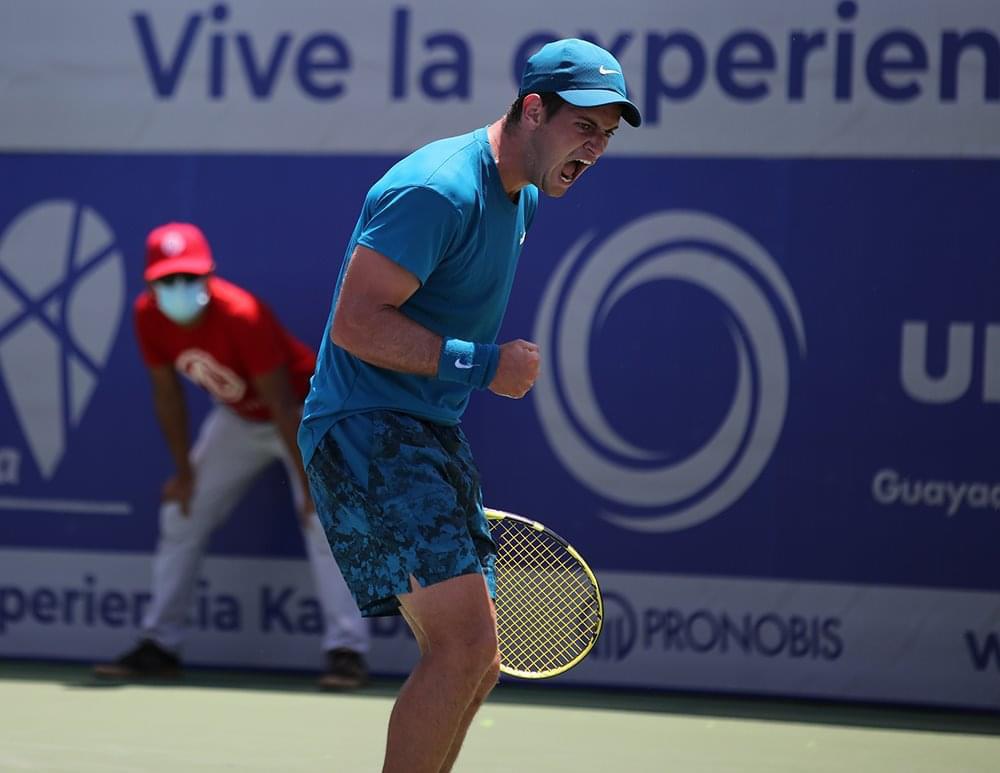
(66,506)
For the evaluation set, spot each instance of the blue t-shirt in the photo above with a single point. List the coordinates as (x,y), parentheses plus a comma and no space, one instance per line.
(441,213)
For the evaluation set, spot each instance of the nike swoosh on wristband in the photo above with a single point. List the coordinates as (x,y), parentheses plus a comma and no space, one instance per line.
(605,71)
(462,365)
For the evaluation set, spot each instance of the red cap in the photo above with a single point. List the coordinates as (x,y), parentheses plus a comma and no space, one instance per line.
(177,248)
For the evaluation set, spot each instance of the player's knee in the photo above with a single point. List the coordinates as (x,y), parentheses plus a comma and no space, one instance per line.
(491,665)
(492,675)
(488,681)
(471,651)
(486,651)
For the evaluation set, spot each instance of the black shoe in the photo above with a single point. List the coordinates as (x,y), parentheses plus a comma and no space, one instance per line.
(345,670)
(147,661)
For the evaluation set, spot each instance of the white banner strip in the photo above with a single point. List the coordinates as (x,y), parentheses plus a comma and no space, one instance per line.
(856,642)
(79,506)
(815,78)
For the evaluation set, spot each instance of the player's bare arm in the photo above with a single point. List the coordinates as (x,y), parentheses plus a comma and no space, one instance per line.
(275,391)
(368,323)
(171,412)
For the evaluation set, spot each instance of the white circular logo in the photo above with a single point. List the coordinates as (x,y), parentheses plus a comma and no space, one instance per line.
(172,244)
(203,369)
(712,254)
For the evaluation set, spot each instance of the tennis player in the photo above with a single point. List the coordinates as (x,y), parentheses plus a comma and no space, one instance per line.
(412,330)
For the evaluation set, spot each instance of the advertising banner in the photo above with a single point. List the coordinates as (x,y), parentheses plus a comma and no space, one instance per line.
(770,346)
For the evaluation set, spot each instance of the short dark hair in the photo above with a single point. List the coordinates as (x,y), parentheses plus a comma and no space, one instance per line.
(551,101)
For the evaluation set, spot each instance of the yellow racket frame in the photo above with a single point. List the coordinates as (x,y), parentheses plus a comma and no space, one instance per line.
(499,515)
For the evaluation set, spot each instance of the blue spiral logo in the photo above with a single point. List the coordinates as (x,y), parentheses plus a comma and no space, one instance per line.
(714,255)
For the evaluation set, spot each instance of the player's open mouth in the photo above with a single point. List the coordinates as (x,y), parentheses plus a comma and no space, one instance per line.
(573,169)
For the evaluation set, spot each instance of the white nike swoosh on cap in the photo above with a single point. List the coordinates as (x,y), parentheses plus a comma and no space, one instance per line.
(605,71)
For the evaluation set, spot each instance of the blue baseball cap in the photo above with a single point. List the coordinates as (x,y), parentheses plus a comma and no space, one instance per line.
(580,72)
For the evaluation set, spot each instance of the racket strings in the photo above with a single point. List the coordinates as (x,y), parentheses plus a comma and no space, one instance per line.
(546,642)
(551,634)
(548,611)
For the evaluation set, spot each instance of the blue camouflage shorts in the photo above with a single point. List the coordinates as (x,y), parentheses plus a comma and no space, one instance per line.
(399,496)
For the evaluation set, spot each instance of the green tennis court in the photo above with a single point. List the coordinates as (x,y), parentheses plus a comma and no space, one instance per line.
(58,718)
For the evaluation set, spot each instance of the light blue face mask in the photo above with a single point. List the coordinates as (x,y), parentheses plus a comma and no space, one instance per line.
(182,300)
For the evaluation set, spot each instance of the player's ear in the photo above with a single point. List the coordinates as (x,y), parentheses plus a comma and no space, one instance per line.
(532,111)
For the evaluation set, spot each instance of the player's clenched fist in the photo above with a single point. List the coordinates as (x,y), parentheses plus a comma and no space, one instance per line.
(518,369)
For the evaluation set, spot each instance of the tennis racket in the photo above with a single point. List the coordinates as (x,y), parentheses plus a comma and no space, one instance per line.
(548,602)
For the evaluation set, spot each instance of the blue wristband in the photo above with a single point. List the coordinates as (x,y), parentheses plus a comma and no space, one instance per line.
(469,363)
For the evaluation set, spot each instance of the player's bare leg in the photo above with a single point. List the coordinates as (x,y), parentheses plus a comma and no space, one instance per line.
(456,629)
(487,684)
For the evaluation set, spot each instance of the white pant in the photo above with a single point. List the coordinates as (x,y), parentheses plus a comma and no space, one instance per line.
(229,453)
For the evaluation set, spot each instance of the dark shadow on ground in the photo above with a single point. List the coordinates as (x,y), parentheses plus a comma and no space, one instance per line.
(510,691)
